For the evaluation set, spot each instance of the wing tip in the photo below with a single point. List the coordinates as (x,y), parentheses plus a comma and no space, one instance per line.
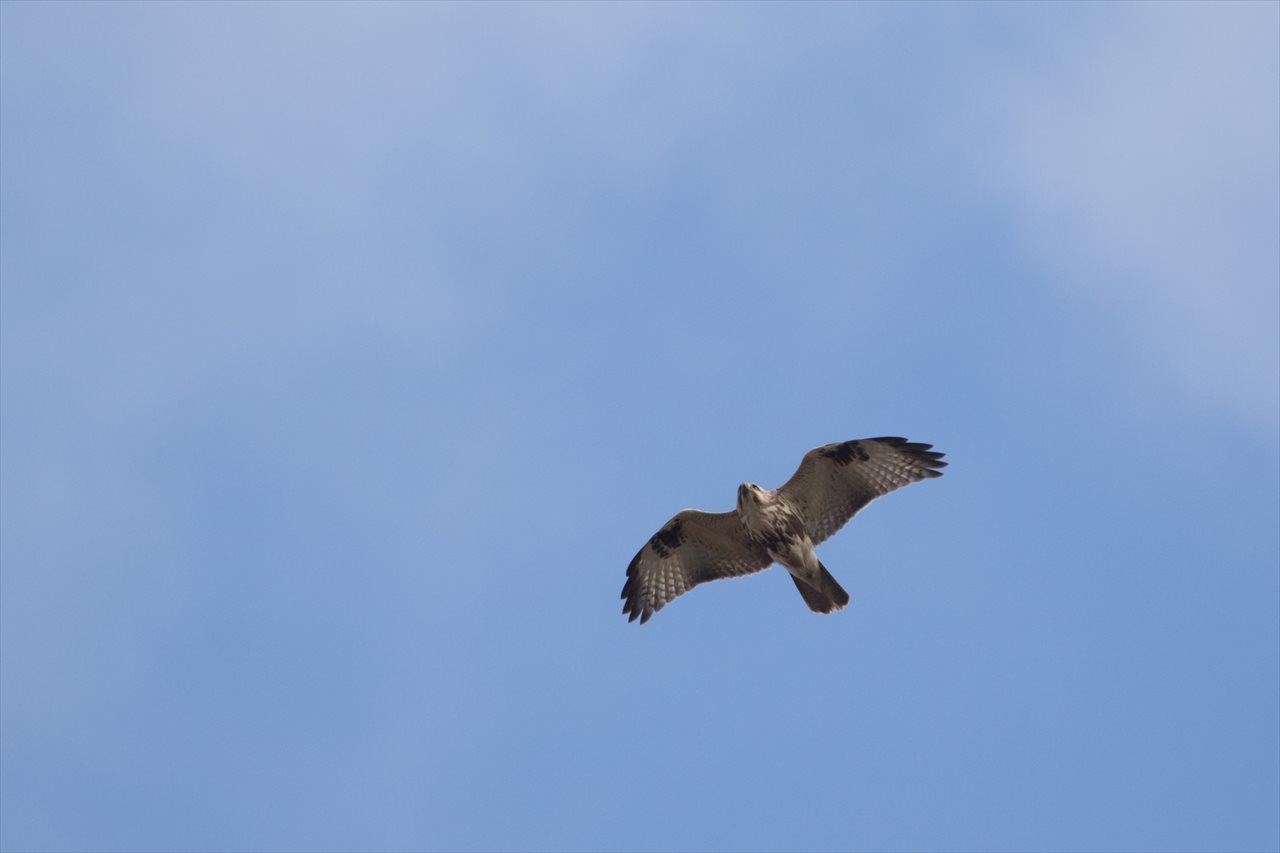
(633,611)
(632,607)
(919,451)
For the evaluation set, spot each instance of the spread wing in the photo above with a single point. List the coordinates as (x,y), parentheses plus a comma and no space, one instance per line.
(691,548)
(835,481)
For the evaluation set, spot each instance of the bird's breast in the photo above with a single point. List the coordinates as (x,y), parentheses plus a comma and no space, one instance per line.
(778,528)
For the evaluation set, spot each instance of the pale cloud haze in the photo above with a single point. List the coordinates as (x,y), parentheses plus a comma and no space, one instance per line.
(349,352)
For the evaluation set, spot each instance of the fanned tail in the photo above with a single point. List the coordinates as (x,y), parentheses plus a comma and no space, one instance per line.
(829,598)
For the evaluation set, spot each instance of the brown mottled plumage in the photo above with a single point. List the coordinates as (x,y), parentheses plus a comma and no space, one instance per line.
(776,526)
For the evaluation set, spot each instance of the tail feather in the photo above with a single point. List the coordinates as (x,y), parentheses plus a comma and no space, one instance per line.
(828,598)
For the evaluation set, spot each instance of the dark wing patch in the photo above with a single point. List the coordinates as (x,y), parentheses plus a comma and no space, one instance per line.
(690,549)
(844,452)
(669,538)
(836,480)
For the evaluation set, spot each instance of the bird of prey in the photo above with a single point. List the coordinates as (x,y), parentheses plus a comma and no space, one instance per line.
(776,526)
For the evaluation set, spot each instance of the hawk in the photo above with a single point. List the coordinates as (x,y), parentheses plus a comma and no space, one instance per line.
(776,526)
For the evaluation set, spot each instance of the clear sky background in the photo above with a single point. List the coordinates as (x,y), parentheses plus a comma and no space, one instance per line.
(349,353)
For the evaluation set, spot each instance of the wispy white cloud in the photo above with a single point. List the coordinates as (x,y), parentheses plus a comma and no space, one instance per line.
(1144,165)
(299,299)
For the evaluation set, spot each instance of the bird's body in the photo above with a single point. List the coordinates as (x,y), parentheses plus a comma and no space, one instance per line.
(771,520)
(776,525)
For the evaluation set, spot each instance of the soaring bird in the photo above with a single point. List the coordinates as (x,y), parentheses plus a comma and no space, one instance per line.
(776,525)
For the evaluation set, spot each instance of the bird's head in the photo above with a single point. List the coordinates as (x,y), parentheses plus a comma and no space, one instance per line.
(748,493)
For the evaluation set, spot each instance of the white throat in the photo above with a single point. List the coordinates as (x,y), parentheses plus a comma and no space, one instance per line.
(759,509)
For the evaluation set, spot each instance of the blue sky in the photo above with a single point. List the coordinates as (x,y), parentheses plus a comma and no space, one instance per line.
(349,353)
